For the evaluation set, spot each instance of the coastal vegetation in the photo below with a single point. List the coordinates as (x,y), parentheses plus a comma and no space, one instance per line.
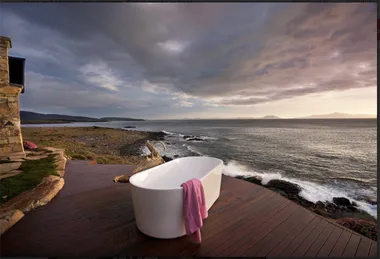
(104,145)
(33,171)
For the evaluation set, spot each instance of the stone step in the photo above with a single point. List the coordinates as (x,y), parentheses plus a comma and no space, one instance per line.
(12,156)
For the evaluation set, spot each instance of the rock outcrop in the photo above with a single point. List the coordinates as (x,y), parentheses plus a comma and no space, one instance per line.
(13,210)
(341,207)
(341,201)
(8,219)
(39,196)
(287,187)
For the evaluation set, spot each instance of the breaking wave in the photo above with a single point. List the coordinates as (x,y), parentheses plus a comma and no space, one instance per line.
(193,150)
(169,133)
(310,191)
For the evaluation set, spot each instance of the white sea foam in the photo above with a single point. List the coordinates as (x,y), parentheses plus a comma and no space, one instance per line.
(207,137)
(194,150)
(310,191)
(169,133)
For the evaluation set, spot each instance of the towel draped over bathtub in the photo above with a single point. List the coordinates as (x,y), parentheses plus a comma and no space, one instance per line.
(194,207)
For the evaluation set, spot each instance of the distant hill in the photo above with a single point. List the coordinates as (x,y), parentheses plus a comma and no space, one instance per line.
(337,115)
(270,117)
(33,117)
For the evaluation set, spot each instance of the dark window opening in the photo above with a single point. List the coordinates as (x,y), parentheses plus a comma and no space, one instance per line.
(17,71)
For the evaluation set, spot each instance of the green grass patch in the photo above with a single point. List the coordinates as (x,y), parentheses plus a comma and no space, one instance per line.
(33,173)
(5,161)
(39,149)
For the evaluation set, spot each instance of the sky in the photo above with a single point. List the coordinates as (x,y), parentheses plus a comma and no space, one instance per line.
(195,60)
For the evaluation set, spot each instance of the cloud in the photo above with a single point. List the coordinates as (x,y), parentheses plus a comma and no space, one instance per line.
(172,46)
(101,75)
(194,56)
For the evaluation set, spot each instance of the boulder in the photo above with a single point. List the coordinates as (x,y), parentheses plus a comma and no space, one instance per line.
(195,139)
(9,167)
(282,193)
(342,201)
(39,196)
(157,135)
(35,157)
(334,211)
(321,212)
(8,219)
(167,159)
(253,179)
(29,145)
(288,187)
(192,138)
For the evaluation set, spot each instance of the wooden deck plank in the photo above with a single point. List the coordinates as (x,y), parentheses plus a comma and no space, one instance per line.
(300,238)
(222,206)
(340,245)
(264,231)
(256,213)
(212,226)
(317,245)
(276,249)
(330,242)
(363,248)
(309,240)
(254,219)
(92,216)
(373,250)
(263,247)
(238,213)
(351,246)
(253,237)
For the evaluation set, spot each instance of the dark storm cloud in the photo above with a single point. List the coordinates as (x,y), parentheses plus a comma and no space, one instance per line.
(163,56)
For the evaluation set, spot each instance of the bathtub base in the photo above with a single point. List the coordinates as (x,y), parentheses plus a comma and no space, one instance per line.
(159,211)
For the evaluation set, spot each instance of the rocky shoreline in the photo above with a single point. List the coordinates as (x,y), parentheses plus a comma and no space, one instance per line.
(134,149)
(126,144)
(341,210)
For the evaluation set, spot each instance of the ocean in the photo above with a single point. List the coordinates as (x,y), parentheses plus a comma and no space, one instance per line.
(327,158)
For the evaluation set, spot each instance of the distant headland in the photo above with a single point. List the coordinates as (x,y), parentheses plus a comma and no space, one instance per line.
(39,118)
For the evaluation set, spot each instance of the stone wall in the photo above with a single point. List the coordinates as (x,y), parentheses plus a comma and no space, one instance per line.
(10,131)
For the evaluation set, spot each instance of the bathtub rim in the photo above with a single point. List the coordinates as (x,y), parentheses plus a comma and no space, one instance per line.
(131,179)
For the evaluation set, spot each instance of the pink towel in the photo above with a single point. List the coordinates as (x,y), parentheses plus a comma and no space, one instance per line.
(194,207)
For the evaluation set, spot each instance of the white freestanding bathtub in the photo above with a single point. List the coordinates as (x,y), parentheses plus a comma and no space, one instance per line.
(157,194)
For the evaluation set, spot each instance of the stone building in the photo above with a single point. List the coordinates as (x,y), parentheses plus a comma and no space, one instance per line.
(11,85)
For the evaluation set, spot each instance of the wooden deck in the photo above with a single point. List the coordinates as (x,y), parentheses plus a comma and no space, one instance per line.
(92,216)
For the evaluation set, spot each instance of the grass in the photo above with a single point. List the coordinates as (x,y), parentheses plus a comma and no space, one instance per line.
(69,138)
(33,173)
